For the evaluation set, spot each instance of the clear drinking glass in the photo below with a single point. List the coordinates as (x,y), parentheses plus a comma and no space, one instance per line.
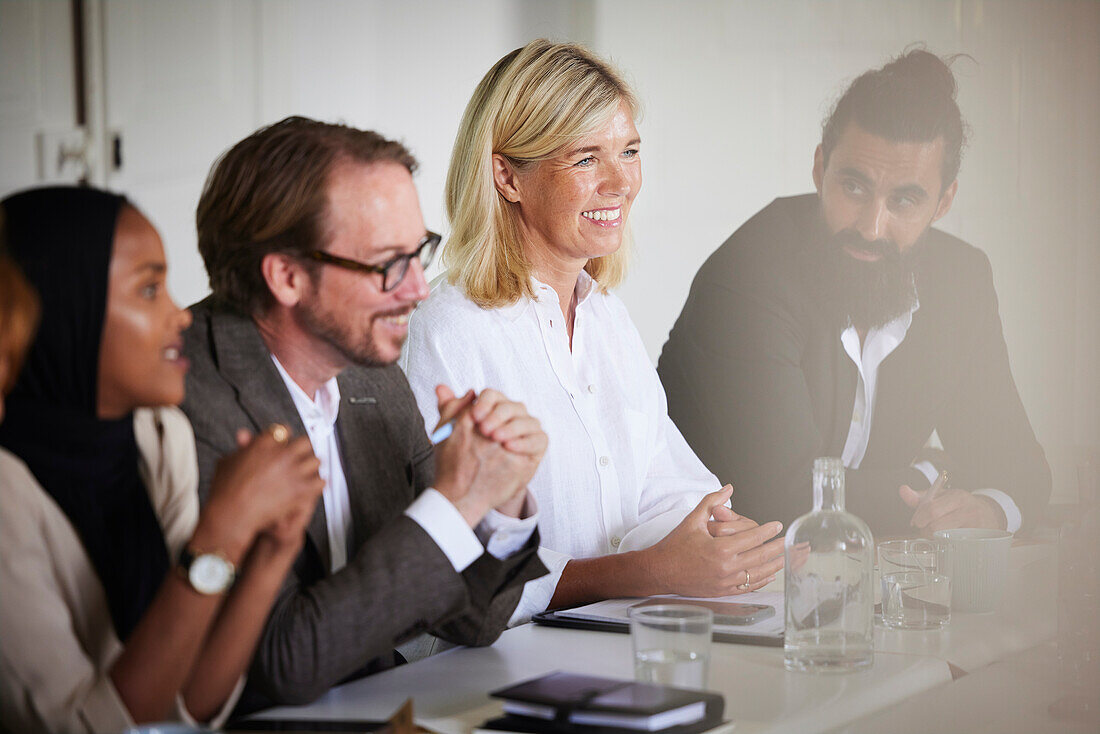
(900,556)
(915,600)
(671,644)
(829,588)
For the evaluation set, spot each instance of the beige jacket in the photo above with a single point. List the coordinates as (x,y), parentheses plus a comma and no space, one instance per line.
(57,642)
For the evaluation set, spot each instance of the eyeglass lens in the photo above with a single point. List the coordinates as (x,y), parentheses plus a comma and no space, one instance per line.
(397,270)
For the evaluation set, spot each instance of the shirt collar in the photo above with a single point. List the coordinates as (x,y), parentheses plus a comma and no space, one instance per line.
(586,286)
(325,405)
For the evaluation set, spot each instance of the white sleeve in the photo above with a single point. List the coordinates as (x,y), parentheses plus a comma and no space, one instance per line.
(56,639)
(220,718)
(537,593)
(446,526)
(503,535)
(1012,513)
(674,485)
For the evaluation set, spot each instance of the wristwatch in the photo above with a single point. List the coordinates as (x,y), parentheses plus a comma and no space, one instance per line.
(208,573)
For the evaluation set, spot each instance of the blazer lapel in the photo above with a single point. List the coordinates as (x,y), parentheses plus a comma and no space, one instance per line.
(375,466)
(245,362)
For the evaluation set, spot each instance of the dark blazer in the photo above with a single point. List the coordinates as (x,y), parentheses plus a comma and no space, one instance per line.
(326,627)
(759,382)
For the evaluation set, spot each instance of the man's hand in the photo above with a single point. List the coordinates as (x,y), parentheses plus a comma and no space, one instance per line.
(951,508)
(490,456)
(691,561)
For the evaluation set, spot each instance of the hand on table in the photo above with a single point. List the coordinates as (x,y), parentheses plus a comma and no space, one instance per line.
(951,508)
(726,555)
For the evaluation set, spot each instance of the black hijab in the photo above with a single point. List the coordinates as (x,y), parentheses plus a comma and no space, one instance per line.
(62,239)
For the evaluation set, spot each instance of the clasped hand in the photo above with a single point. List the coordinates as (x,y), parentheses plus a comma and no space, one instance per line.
(490,456)
(266,490)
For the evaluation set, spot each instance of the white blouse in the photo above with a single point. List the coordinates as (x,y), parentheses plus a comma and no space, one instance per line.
(617,475)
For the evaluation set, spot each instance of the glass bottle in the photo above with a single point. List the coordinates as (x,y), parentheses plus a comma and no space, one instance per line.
(829,592)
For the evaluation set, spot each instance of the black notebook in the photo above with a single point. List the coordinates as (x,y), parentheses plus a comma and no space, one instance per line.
(567,702)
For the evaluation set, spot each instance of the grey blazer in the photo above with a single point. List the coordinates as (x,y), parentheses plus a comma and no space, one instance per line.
(325,627)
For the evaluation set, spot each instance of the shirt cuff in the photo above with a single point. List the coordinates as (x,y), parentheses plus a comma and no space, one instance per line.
(1013,517)
(446,526)
(219,718)
(503,535)
(928,470)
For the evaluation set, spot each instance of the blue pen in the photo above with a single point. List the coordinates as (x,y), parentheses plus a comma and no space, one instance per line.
(441,434)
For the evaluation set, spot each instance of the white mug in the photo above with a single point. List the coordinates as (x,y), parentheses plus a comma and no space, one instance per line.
(978,567)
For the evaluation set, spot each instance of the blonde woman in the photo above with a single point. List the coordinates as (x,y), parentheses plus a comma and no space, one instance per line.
(543,174)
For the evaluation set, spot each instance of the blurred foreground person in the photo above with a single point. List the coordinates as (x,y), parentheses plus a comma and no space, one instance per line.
(98,497)
(545,169)
(843,324)
(315,245)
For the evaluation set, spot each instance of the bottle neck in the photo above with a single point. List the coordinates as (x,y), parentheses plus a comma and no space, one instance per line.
(828,484)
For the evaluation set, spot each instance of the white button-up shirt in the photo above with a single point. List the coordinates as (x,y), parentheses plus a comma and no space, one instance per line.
(500,535)
(617,475)
(878,344)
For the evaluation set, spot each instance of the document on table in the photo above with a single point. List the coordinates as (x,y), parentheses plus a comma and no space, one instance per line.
(618,611)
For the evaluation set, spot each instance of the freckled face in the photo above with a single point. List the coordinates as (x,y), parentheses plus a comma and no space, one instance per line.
(572,207)
(881,191)
(140,362)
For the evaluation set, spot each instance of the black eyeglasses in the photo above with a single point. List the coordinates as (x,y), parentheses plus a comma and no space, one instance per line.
(394,271)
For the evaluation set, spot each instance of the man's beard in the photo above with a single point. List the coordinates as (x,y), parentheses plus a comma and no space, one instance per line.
(356,348)
(870,294)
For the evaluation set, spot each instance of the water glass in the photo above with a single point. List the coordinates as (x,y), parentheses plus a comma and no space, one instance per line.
(671,644)
(915,600)
(920,555)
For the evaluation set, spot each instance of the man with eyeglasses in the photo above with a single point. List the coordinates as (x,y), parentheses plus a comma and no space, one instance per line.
(315,246)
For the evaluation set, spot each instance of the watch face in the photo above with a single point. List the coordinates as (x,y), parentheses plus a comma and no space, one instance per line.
(210,574)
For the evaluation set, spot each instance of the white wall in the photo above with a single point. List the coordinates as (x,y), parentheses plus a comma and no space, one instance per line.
(734,95)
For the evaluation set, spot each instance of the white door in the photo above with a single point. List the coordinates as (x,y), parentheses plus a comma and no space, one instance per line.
(37,95)
(180,87)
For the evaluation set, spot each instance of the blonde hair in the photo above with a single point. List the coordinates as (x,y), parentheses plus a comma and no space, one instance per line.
(533,103)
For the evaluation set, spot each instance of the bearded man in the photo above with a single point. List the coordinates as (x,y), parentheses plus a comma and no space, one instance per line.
(315,246)
(843,324)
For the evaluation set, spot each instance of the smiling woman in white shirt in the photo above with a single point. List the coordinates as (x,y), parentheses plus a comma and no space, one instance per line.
(544,170)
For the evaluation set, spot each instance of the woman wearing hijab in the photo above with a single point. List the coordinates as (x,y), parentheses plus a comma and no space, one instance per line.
(545,168)
(98,491)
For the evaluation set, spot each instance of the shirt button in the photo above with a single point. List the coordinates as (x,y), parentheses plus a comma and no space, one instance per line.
(615,541)
(591,389)
(604,461)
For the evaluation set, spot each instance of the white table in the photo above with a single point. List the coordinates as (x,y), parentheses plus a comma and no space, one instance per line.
(1009,696)
(450,689)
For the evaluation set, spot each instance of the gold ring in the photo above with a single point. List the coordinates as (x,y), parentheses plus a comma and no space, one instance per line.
(748,578)
(279,432)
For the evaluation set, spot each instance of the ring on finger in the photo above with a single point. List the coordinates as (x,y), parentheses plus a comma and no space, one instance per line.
(279,432)
(748,581)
